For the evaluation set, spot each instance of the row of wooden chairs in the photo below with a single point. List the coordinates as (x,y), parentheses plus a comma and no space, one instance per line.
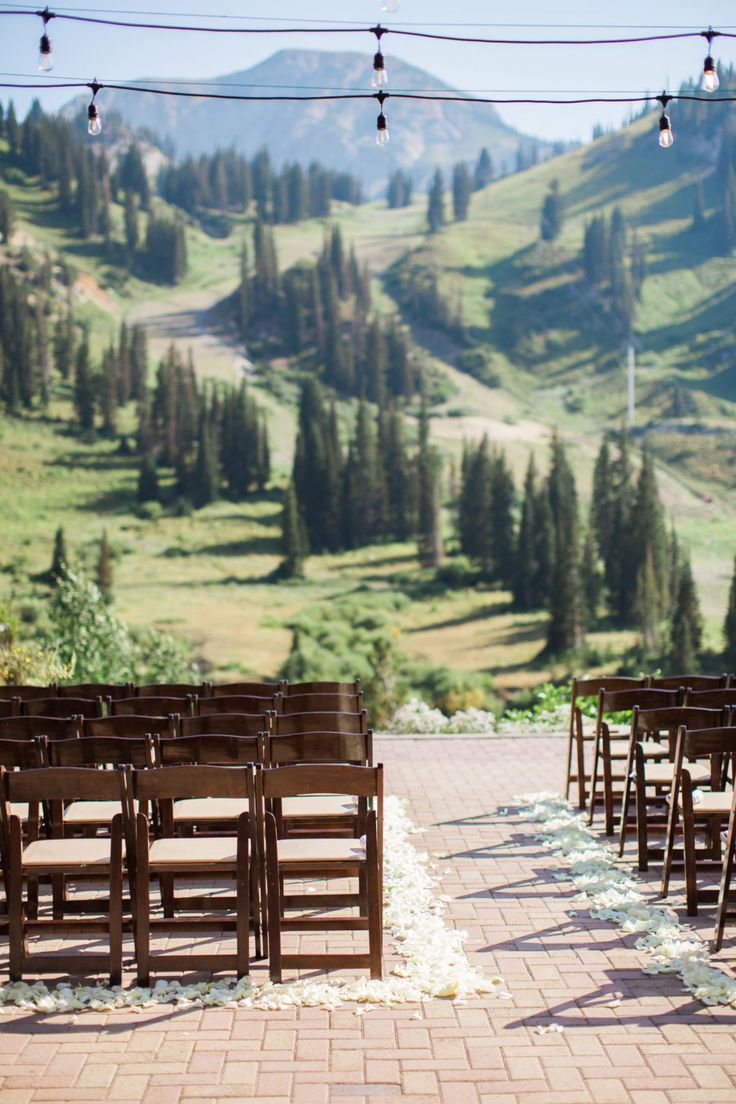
(190,705)
(176,689)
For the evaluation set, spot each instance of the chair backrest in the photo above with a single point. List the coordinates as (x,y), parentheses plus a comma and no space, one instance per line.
(669,719)
(29,728)
(591,687)
(27,693)
(623,701)
(225,724)
(62,707)
(171,690)
(151,707)
(101,751)
(711,699)
(693,682)
(9,707)
(24,754)
(214,749)
(96,690)
(245,689)
(62,783)
(286,725)
(192,780)
(326,778)
(237,703)
(292,688)
(129,726)
(708,741)
(322,703)
(319,747)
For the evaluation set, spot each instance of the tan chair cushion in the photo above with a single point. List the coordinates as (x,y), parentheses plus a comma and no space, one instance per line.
(198,809)
(318,805)
(320,850)
(660,774)
(652,750)
(713,801)
(67,852)
(91,812)
(194,851)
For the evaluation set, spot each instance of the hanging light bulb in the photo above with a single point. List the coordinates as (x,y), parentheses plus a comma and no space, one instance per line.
(94,118)
(710,81)
(380,73)
(45,60)
(666,137)
(382,134)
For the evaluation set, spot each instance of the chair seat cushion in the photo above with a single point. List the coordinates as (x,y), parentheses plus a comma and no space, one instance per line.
(67,852)
(662,773)
(318,805)
(652,750)
(713,801)
(91,812)
(199,809)
(313,850)
(194,851)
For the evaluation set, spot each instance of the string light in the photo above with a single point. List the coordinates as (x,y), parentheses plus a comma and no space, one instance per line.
(666,137)
(380,75)
(710,80)
(382,134)
(94,118)
(45,60)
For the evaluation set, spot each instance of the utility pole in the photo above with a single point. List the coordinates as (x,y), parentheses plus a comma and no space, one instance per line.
(630,392)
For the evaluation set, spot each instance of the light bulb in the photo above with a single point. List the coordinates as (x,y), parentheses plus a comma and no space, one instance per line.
(666,137)
(94,123)
(45,60)
(382,135)
(710,81)
(380,73)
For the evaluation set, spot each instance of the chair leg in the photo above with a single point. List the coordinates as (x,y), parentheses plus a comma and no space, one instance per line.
(166,889)
(642,830)
(14,891)
(373,893)
(116,910)
(607,787)
(243,884)
(142,924)
(274,900)
(688,845)
(669,843)
(594,779)
(626,799)
(725,882)
(568,772)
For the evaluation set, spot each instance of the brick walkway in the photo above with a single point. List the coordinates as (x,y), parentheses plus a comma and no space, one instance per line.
(658,1046)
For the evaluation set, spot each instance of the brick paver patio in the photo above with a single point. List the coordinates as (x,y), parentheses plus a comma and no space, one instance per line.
(657,1046)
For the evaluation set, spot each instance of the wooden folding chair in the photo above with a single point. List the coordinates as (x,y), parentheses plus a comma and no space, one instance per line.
(290,724)
(30,728)
(191,814)
(208,857)
(644,775)
(245,689)
(711,699)
(225,724)
(694,682)
(707,810)
(102,856)
(325,858)
(292,688)
(61,707)
(321,703)
(238,703)
(24,755)
(577,737)
(609,751)
(152,707)
(96,690)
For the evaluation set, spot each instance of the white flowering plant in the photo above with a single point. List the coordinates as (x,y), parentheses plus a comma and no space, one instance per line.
(416,717)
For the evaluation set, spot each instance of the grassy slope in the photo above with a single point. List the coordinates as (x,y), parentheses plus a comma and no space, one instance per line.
(206,575)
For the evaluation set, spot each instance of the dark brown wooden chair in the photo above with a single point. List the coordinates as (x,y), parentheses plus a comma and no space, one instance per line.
(650,780)
(30,728)
(694,808)
(225,724)
(96,690)
(321,703)
(609,751)
(578,771)
(289,724)
(245,689)
(130,726)
(711,699)
(152,707)
(172,690)
(208,857)
(55,857)
(292,688)
(24,755)
(694,682)
(62,707)
(332,857)
(238,703)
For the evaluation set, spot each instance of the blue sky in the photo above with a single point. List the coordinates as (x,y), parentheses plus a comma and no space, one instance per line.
(84,52)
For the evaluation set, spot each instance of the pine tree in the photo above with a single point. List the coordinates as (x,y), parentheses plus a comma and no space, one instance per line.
(461,191)
(503,536)
(109,391)
(84,392)
(726,234)
(552,213)
(292,537)
(206,473)
(138,362)
(591,581)
(729,625)
(620,580)
(648,611)
(436,203)
(103,569)
(686,626)
(131,224)
(63,344)
(59,558)
(429,539)
(522,587)
(601,503)
(564,632)
(483,174)
(649,541)
(148,489)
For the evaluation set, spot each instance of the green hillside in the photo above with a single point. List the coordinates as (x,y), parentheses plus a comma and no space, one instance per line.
(549,352)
